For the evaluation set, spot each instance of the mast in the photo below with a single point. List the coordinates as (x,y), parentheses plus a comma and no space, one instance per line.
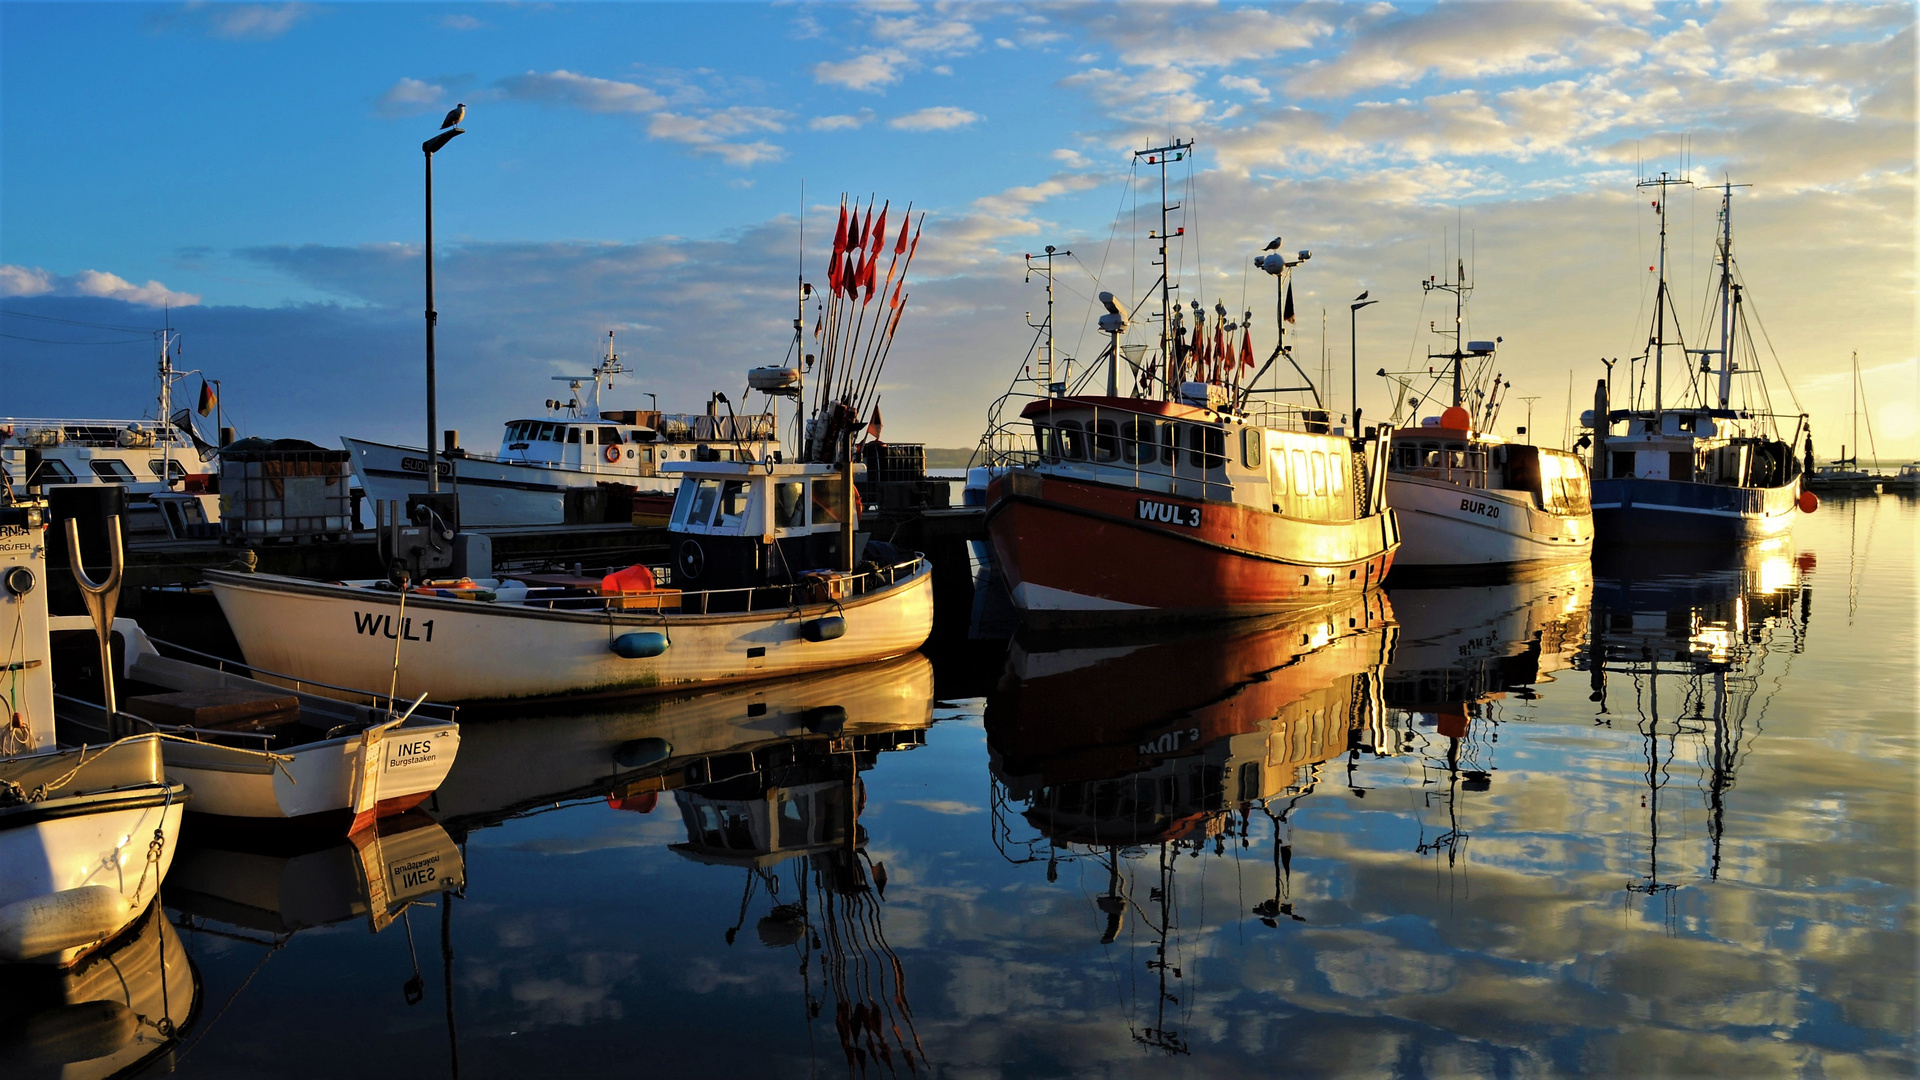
(1726,295)
(1046,267)
(1459,288)
(1157,155)
(1658,343)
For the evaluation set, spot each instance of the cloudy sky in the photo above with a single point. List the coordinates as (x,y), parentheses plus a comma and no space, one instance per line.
(640,168)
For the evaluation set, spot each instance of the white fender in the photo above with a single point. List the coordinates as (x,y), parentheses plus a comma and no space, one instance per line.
(44,925)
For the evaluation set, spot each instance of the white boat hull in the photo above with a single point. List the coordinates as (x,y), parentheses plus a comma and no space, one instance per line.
(91,838)
(463,650)
(492,491)
(318,778)
(1444,524)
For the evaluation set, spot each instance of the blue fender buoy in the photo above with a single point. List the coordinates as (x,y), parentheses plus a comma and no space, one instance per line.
(825,628)
(641,753)
(640,644)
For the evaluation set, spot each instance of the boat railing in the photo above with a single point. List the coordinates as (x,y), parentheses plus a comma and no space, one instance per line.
(370,698)
(819,589)
(61,431)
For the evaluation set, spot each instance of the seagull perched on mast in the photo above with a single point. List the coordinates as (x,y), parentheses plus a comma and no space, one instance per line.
(458,114)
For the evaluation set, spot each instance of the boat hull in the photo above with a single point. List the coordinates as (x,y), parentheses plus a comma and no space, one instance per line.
(319,780)
(1635,510)
(98,837)
(462,650)
(1081,553)
(1446,525)
(492,492)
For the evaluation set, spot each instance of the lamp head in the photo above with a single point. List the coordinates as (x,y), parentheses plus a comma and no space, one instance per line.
(432,146)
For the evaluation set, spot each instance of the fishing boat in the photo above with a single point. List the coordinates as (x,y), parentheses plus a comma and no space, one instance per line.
(1468,499)
(1191,496)
(1705,470)
(764,583)
(1843,475)
(86,833)
(271,747)
(573,447)
(169,473)
(1906,481)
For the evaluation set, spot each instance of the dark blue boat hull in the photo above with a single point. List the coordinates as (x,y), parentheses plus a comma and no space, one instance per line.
(1639,511)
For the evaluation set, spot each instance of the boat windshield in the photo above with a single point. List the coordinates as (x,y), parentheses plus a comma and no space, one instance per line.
(695,503)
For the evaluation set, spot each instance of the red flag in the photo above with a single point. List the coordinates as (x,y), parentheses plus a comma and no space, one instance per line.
(895,302)
(840,233)
(1246,346)
(915,246)
(1220,351)
(866,229)
(866,276)
(873,426)
(847,279)
(1289,309)
(902,245)
(880,231)
(1199,349)
(819,322)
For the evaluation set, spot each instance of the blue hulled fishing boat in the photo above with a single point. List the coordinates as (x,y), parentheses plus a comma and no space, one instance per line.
(1704,470)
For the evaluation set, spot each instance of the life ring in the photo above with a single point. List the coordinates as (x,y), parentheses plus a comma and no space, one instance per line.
(611,453)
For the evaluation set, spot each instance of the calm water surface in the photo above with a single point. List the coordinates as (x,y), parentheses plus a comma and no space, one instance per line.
(1656,817)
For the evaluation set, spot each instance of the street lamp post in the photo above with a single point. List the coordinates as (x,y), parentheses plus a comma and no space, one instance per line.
(429,148)
(1353,355)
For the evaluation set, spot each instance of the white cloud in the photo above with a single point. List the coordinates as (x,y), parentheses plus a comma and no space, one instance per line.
(916,34)
(24,281)
(842,122)
(868,71)
(462,22)
(409,97)
(707,133)
(563,87)
(255,22)
(934,118)
(943,806)
(1249,87)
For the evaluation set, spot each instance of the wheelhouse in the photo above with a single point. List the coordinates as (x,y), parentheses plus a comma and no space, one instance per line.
(1557,481)
(1185,450)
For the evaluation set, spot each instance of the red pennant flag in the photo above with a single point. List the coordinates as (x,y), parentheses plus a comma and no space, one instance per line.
(840,233)
(900,247)
(1289,309)
(866,278)
(915,246)
(1246,347)
(873,426)
(847,279)
(1220,345)
(1199,349)
(880,231)
(866,229)
(895,302)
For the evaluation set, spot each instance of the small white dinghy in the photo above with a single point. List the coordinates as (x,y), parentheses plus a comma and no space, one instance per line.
(765,586)
(86,834)
(329,757)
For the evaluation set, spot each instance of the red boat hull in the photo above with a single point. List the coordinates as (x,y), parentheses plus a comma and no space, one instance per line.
(1080,553)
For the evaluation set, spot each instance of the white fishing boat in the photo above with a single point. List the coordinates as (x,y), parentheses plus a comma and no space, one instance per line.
(764,580)
(1468,499)
(281,750)
(86,834)
(574,447)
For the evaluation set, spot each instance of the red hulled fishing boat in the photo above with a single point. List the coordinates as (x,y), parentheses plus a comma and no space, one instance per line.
(1193,497)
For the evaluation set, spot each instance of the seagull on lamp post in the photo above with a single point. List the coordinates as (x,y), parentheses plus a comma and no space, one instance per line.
(458,114)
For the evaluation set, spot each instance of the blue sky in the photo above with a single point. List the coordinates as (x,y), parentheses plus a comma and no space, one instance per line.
(639,167)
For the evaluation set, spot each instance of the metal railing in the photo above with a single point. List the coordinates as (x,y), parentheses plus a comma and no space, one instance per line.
(752,597)
(374,699)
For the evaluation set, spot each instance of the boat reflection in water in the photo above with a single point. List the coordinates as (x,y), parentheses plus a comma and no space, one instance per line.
(1675,651)
(1461,652)
(1133,752)
(766,777)
(120,1010)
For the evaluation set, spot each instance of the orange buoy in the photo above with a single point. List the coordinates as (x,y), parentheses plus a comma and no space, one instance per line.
(1455,418)
(1809,502)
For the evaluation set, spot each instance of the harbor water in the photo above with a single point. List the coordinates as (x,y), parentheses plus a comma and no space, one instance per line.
(1655,817)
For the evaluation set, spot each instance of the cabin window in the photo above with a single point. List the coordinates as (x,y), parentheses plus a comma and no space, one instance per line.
(1409,457)
(646,454)
(1251,452)
(828,500)
(54,471)
(111,470)
(1106,440)
(1319,473)
(545,434)
(1279,472)
(1045,441)
(1138,439)
(610,435)
(790,505)
(1622,463)
(1336,476)
(1073,440)
(1302,479)
(1169,443)
(696,502)
(573,435)
(1206,447)
(166,469)
(733,503)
